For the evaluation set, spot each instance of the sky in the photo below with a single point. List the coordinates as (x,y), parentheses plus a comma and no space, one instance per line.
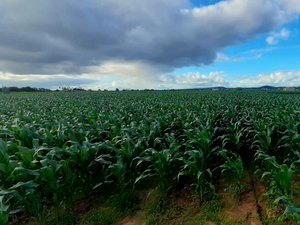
(159,44)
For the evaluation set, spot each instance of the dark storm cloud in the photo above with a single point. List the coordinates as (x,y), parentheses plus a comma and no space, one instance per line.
(54,36)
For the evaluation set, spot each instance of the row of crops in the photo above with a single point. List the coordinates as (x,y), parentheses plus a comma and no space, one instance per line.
(59,147)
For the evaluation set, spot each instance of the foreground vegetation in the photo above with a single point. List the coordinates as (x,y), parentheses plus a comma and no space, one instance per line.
(57,149)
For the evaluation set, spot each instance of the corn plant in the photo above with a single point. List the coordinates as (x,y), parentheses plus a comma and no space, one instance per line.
(160,167)
(233,170)
(3,211)
(70,145)
(196,167)
(7,166)
(278,178)
(25,195)
(117,171)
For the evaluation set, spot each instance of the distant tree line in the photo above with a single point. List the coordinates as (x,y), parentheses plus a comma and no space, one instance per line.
(22,89)
(63,89)
(7,90)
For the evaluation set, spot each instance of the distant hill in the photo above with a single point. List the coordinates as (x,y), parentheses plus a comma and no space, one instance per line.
(267,87)
(216,88)
(262,88)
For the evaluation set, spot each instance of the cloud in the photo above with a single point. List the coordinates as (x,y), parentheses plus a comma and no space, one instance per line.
(44,81)
(69,37)
(140,76)
(192,80)
(289,78)
(274,38)
(124,75)
(215,79)
(118,74)
(221,57)
(108,75)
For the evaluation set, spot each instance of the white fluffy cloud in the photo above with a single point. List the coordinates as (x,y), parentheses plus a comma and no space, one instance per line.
(215,79)
(221,57)
(108,75)
(274,38)
(124,75)
(290,78)
(44,81)
(193,80)
(140,76)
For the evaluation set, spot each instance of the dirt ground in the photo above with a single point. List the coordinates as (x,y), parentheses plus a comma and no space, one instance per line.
(183,207)
(247,208)
(133,220)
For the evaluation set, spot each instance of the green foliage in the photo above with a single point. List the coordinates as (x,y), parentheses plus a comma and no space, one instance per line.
(279,179)
(102,216)
(198,161)
(3,212)
(195,165)
(161,166)
(233,170)
(278,176)
(57,147)
(124,202)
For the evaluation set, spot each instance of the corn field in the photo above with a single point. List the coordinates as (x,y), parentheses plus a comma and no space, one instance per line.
(58,147)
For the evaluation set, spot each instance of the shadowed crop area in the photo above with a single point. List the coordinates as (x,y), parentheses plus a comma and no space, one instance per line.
(150,157)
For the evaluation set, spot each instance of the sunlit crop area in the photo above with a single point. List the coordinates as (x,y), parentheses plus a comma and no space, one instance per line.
(59,148)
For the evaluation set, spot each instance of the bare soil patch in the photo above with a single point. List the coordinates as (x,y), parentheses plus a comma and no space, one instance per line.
(246,208)
(84,206)
(133,220)
(181,207)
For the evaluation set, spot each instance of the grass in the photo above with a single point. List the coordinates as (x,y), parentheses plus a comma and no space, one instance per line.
(116,207)
(161,212)
(67,218)
(101,216)
(109,213)
(125,202)
(210,212)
